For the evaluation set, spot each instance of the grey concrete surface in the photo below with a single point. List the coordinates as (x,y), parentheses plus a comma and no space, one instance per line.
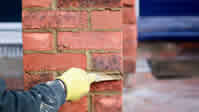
(11,54)
(143,92)
(11,69)
(152,95)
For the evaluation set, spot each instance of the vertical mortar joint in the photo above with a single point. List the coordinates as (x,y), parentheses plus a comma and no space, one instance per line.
(88,60)
(54,5)
(55,41)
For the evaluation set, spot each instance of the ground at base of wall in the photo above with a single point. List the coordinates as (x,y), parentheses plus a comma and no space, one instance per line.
(169,95)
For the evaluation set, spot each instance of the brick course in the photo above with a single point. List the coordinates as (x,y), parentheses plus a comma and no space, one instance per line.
(53,62)
(54,19)
(105,3)
(37,3)
(106,20)
(76,106)
(107,86)
(90,3)
(107,62)
(38,41)
(90,40)
(103,103)
(128,2)
(129,16)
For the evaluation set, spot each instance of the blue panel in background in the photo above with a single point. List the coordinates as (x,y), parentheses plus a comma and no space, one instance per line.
(169,7)
(11,11)
(169,20)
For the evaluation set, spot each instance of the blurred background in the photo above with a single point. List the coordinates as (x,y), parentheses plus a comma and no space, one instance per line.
(11,51)
(10,11)
(166,78)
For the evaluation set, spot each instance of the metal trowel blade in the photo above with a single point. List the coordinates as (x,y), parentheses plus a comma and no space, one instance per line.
(101,77)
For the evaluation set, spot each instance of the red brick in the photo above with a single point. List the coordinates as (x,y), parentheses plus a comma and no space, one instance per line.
(105,3)
(128,15)
(54,19)
(129,40)
(89,3)
(129,65)
(32,80)
(72,19)
(72,3)
(39,19)
(107,62)
(90,40)
(107,86)
(39,62)
(106,19)
(37,41)
(129,47)
(37,3)
(77,106)
(128,2)
(107,103)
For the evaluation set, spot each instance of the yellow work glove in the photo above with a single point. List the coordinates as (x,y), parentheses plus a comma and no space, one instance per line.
(77,83)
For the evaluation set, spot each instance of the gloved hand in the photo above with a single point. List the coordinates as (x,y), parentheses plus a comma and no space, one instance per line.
(77,83)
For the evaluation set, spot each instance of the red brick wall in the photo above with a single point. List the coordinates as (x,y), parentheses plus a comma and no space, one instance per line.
(59,34)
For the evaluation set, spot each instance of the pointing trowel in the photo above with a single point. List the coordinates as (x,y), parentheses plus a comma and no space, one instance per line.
(101,76)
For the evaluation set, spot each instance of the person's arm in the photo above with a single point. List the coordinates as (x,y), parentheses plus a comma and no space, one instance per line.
(49,96)
(46,97)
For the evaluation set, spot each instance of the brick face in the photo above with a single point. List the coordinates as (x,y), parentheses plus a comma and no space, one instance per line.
(105,3)
(129,2)
(38,19)
(90,40)
(38,41)
(55,19)
(107,62)
(77,106)
(107,86)
(106,19)
(129,40)
(129,64)
(72,3)
(107,103)
(43,62)
(37,3)
(72,19)
(89,3)
(129,16)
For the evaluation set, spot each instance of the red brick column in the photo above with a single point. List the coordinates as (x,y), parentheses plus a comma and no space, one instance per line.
(130,36)
(59,34)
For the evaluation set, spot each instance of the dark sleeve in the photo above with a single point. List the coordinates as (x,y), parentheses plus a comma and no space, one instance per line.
(46,97)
